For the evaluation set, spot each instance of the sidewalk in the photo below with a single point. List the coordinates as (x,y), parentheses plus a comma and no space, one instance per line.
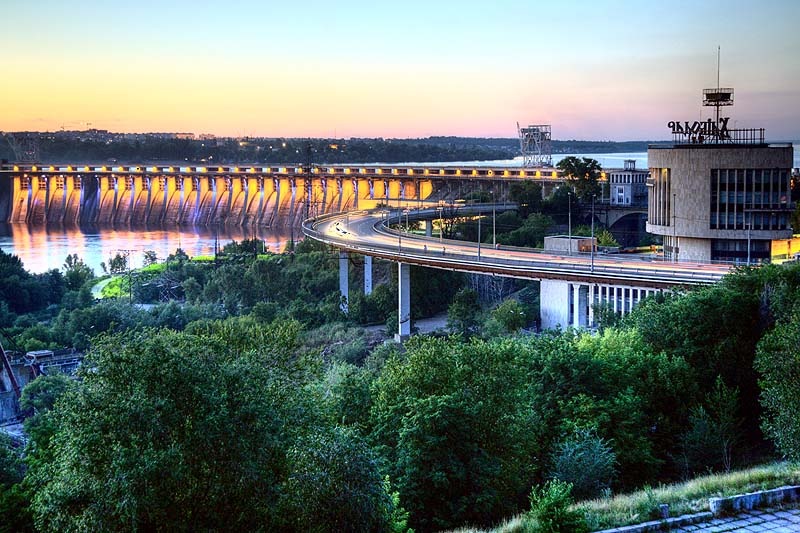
(756,521)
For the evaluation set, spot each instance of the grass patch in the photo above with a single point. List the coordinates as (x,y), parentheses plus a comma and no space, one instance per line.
(688,497)
(154,268)
(683,498)
(117,287)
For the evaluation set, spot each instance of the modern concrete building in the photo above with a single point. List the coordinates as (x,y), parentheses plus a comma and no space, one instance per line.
(719,201)
(719,194)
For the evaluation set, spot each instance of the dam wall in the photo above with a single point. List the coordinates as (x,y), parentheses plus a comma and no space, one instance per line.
(122,196)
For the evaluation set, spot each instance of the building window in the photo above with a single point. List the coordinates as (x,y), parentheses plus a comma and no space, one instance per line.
(739,198)
(735,250)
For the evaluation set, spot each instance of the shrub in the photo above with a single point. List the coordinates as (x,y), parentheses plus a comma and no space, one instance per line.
(586,461)
(778,362)
(550,508)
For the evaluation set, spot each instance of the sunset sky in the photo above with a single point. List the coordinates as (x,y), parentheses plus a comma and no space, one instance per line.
(610,70)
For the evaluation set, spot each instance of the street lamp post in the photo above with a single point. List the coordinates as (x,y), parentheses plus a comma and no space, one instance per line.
(479,236)
(748,242)
(441,219)
(569,221)
(494,220)
(591,269)
(399,229)
(674,231)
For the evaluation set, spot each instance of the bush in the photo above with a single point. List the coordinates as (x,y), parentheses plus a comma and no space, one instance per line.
(511,315)
(715,431)
(585,461)
(550,508)
(778,362)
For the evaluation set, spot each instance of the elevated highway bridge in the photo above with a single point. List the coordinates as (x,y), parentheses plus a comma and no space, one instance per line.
(572,284)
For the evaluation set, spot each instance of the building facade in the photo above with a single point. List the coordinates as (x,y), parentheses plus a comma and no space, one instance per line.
(720,201)
(628,186)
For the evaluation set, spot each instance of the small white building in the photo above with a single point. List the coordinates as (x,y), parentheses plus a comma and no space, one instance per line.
(628,186)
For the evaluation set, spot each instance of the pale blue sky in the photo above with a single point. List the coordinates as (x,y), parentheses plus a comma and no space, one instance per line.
(594,70)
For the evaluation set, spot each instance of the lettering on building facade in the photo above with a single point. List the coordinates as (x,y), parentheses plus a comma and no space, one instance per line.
(700,129)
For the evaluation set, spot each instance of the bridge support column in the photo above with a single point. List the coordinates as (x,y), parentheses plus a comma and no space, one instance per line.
(429,228)
(554,298)
(404,302)
(344,279)
(579,305)
(367,275)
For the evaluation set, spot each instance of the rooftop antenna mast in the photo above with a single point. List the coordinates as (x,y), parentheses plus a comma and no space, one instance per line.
(716,115)
(717,98)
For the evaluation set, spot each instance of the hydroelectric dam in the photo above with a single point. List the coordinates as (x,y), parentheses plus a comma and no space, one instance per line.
(279,196)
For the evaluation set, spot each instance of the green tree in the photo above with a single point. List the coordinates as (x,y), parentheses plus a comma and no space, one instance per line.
(333,485)
(76,272)
(605,238)
(456,430)
(530,234)
(715,330)
(463,315)
(715,430)
(11,467)
(150,258)
(583,174)
(20,290)
(14,499)
(778,364)
(586,461)
(118,264)
(511,315)
(528,196)
(145,440)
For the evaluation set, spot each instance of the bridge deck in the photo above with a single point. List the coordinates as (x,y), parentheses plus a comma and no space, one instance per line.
(366,232)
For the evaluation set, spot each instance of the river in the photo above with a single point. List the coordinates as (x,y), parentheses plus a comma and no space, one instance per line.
(42,249)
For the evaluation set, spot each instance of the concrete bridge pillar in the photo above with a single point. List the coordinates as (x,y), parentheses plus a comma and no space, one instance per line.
(429,228)
(344,279)
(580,295)
(554,304)
(404,302)
(367,275)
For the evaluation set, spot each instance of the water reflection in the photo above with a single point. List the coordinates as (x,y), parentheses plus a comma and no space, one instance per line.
(44,248)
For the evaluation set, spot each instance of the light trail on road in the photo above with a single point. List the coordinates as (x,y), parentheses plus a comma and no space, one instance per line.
(367,232)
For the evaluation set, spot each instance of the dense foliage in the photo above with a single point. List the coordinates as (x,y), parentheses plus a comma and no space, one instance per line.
(255,403)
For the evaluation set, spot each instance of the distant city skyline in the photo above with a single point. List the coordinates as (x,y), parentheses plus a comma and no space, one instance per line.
(605,70)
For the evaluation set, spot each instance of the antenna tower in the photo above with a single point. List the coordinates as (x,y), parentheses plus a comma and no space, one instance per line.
(534,142)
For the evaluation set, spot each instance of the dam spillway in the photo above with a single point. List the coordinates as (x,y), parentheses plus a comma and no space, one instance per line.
(166,196)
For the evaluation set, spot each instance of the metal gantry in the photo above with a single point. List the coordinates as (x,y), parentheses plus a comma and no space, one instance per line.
(534,142)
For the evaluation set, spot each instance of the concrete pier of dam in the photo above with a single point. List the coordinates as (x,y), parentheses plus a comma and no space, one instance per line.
(236,196)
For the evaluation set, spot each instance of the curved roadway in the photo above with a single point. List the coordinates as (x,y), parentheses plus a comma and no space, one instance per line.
(367,232)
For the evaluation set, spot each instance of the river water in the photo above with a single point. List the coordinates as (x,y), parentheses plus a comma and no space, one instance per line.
(42,249)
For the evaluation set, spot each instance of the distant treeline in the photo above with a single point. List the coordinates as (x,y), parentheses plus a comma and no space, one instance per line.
(70,147)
